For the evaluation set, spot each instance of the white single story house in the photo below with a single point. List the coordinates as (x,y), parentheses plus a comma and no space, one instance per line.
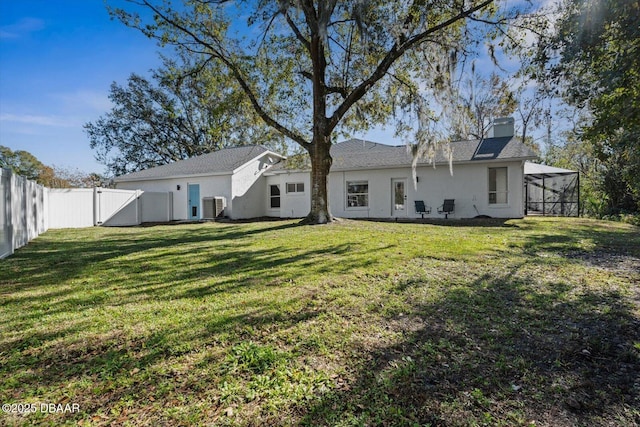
(367,180)
(233,175)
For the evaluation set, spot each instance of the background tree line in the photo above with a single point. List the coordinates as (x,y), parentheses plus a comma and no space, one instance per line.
(27,165)
(591,57)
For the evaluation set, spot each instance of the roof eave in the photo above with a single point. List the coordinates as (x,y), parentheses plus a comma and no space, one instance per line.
(154,178)
(404,165)
(441,164)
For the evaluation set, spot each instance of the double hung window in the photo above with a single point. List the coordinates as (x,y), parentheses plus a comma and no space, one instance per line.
(357,194)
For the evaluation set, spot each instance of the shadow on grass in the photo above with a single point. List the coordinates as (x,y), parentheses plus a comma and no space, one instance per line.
(41,262)
(501,350)
(159,271)
(59,353)
(569,237)
(126,368)
(504,348)
(452,222)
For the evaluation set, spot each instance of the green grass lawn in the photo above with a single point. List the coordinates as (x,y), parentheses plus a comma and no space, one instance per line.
(520,322)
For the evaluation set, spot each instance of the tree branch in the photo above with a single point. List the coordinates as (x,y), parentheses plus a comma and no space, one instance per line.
(235,71)
(328,89)
(297,32)
(394,53)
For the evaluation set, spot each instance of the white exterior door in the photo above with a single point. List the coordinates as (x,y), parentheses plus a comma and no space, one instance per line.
(399,197)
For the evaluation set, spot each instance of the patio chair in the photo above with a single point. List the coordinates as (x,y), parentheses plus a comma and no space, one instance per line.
(447,207)
(421,208)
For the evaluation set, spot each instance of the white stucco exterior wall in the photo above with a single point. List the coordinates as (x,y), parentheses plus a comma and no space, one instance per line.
(469,186)
(248,190)
(244,190)
(210,186)
(292,205)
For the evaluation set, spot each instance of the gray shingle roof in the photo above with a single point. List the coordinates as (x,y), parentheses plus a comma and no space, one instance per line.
(348,155)
(361,154)
(218,162)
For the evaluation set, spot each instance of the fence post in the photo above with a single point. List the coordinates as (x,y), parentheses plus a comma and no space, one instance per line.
(6,192)
(95,201)
(22,195)
(96,208)
(12,179)
(45,209)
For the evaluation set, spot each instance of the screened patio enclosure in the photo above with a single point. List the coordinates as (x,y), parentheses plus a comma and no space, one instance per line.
(551,191)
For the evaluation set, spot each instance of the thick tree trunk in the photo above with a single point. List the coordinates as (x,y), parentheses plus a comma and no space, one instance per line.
(320,166)
(321,142)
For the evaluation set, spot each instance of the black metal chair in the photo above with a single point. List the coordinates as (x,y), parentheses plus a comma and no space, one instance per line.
(447,207)
(421,208)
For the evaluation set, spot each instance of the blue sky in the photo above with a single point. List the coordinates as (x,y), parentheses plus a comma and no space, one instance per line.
(57,61)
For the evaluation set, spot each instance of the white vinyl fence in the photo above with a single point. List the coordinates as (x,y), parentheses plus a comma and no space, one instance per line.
(71,208)
(86,207)
(23,211)
(28,209)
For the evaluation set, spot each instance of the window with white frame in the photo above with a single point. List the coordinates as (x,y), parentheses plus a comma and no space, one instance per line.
(357,194)
(295,187)
(498,186)
(274,194)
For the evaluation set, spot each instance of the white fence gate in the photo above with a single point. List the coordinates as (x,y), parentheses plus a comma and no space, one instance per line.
(132,207)
(23,211)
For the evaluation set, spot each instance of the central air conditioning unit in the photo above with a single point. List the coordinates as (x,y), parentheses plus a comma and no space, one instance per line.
(213,207)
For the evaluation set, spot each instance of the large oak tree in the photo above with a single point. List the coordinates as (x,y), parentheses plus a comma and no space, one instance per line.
(314,68)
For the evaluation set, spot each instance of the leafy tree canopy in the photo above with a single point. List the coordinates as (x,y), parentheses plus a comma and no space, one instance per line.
(312,69)
(186,110)
(21,162)
(592,54)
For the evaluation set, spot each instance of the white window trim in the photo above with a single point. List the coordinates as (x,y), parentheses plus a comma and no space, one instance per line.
(294,193)
(273,197)
(508,192)
(356,208)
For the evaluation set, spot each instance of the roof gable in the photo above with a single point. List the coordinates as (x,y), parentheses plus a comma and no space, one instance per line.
(220,162)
